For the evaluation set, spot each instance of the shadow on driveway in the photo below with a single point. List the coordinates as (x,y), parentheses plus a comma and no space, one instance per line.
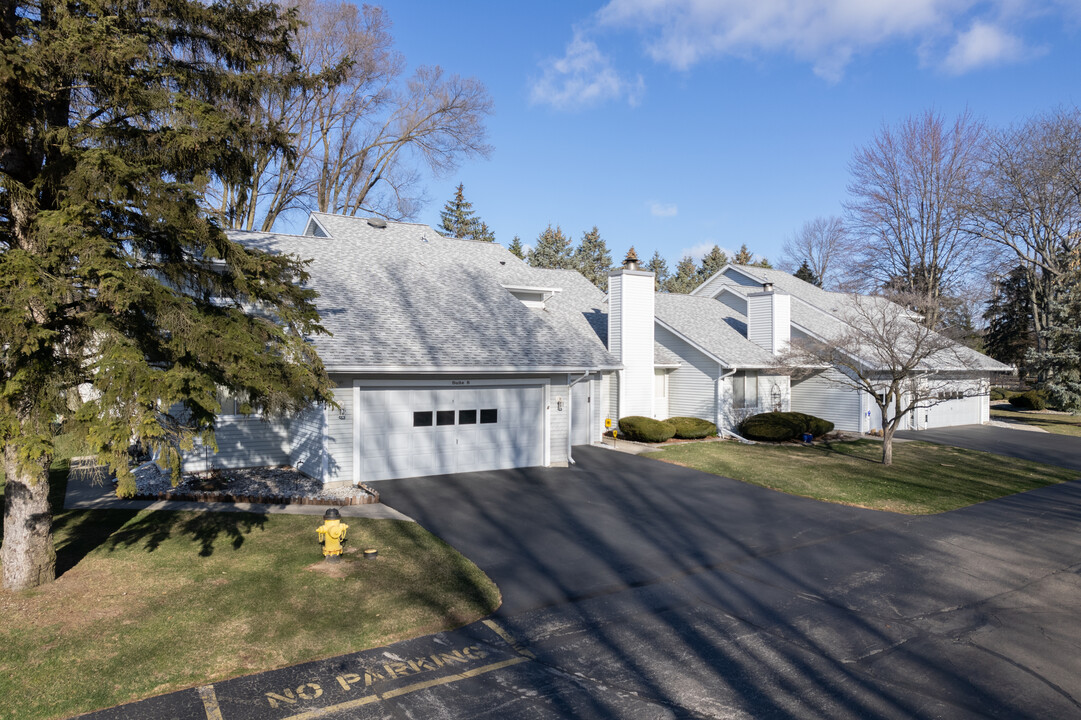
(1050,448)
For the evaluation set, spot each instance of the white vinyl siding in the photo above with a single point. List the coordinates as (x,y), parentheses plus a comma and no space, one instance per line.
(631,337)
(306,442)
(660,395)
(691,386)
(610,388)
(243,441)
(735,302)
(559,421)
(339,440)
(822,397)
(730,277)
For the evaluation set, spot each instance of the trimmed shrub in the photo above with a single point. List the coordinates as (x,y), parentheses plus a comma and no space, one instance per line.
(1031,400)
(1001,393)
(692,428)
(643,429)
(782,426)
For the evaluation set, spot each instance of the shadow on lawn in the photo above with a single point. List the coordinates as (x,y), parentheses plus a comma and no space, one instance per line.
(153,528)
(839,448)
(80,532)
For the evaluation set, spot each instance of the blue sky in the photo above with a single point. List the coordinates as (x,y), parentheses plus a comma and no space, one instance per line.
(674,125)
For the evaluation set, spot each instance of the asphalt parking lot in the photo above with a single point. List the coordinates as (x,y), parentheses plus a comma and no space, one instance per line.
(638,589)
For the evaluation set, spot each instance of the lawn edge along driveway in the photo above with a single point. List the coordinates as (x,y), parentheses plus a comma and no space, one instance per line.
(925,478)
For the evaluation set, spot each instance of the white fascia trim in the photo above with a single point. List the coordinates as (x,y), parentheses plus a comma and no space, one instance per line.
(728,266)
(451,382)
(665,366)
(313,219)
(692,343)
(546,291)
(466,369)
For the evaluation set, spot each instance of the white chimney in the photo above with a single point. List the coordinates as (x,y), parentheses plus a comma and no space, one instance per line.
(769,319)
(630,334)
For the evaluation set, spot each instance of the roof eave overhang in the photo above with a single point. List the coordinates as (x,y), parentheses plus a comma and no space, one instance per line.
(468,369)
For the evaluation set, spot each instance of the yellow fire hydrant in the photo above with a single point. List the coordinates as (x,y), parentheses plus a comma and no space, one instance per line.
(332,534)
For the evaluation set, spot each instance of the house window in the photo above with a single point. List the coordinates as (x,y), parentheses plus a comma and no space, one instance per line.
(745,390)
(444,417)
(489,416)
(422,419)
(467,417)
(231,404)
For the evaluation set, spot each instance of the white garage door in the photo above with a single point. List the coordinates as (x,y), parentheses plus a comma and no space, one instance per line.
(406,432)
(950,412)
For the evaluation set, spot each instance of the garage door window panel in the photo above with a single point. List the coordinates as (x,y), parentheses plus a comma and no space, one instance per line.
(488,416)
(467,417)
(422,419)
(444,417)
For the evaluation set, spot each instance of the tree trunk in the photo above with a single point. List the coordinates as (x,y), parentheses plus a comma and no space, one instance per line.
(28,554)
(887,446)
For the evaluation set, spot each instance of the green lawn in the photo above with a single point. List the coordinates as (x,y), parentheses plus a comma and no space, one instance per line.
(923,479)
(149,602)
(1058,424)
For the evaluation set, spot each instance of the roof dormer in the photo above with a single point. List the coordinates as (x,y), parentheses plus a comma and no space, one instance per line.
(532,297)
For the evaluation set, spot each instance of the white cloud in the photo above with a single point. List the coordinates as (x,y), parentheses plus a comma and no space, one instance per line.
(827,34)
(982,45)
(657,209)
(584,76)
(697,252)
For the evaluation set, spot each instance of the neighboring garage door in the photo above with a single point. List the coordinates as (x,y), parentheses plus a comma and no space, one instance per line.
(950,412)
(411,431)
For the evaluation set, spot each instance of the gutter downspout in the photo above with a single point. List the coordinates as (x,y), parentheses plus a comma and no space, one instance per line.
(717,406)
(570,414)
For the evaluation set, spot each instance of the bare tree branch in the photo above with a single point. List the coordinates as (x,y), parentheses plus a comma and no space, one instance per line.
(909,207)
(878,347)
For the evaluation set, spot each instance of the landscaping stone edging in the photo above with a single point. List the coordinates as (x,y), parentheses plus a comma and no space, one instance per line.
(370,499)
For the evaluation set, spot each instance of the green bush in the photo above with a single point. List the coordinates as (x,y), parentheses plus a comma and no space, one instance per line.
(1031,400)
(643,429)
(1001,393)
(781,426)
(692,428)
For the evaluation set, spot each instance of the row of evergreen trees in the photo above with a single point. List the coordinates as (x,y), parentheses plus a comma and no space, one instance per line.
(591,257)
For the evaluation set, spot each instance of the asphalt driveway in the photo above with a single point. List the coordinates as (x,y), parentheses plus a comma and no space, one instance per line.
(638,589)
(1061,450)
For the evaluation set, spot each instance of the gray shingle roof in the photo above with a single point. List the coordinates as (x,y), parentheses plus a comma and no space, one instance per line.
(828,314)
(405,297)
(714,327)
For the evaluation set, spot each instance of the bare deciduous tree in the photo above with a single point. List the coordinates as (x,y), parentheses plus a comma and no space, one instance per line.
(909,208)
(879,348)
(823,244)
(360,131)
(1029,204)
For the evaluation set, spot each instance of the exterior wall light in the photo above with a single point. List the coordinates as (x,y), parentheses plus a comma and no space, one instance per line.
(559,404)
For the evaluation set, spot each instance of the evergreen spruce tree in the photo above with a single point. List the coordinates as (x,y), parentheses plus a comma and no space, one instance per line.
(806,274)
(744,256)
(1060,363)
(593,259)
(712,263)
(516,248)
(112,276)
(1009,335)
(764,263)
(552,250)
(659,267)
(458,220)
(686,277)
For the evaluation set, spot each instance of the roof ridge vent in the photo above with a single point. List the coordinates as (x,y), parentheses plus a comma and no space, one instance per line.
(377,222)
